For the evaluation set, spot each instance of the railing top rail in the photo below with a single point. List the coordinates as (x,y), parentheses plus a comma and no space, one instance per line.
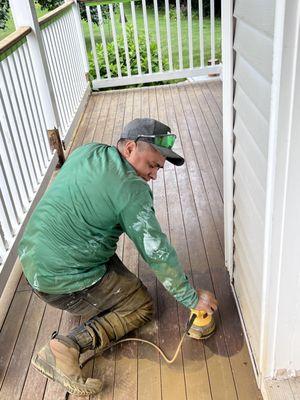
(52,15)
(13,41)
(93,1)
(103,2)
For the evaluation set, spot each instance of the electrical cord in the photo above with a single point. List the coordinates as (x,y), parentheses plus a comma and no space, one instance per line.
(168,360)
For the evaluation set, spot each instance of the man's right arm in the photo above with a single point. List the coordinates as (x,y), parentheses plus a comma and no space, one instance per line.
(138,220)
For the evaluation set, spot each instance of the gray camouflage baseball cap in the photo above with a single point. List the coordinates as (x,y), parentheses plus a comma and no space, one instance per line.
(151,127)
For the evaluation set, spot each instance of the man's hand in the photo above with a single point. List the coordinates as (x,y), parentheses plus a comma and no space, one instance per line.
(207,301)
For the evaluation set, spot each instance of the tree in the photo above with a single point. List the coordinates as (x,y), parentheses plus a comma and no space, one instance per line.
(51,5)
(4,8)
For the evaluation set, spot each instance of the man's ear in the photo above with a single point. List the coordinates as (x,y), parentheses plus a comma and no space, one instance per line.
(129,147)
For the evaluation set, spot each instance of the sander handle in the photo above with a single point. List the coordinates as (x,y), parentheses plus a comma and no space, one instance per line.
(190,322)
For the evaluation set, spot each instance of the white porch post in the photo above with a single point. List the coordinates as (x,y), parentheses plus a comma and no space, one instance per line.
(227,68)
(24,14)
(280,322)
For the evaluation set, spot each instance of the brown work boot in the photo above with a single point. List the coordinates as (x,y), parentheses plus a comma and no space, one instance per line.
(59,361)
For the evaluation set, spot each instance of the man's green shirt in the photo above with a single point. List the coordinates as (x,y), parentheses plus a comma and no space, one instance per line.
(75,228)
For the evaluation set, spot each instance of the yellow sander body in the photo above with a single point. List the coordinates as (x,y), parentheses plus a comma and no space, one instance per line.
(203,325)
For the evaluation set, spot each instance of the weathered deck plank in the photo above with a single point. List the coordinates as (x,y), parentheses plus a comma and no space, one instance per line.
(11,329)
(19,363)
(149,369)
(188,202)
(126,354)
(218,367)
(195,371)
(167,307)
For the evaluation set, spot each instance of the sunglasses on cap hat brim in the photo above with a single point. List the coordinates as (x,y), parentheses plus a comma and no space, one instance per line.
(166,141)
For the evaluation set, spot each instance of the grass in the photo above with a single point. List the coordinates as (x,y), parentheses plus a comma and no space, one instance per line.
(151,26)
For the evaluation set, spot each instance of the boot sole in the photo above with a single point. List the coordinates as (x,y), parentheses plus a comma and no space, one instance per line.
(54,374)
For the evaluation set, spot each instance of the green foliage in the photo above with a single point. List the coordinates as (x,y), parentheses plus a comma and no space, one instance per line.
(183,12)
(132,56)
(173,15)
(4,9)
(51,5)
(194,3)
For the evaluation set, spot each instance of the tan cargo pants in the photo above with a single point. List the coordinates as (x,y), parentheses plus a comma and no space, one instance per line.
(113,307)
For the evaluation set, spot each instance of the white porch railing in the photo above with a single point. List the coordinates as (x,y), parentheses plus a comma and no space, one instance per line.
(61,41)
(171,58)
(43,88)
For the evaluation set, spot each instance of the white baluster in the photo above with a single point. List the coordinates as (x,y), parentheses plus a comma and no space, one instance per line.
(201,35)
(113,28)
(147,36)
(179,37)
(125,38)
(190,33)
(169,35)
(157,32)
(102,33)
(88,13)
(212,31)
(136,41)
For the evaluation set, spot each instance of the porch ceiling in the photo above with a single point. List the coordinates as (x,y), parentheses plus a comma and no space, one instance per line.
(189,206)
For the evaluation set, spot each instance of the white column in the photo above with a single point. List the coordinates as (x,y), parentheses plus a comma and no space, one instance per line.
(280,321)
(24,14)
(227,55)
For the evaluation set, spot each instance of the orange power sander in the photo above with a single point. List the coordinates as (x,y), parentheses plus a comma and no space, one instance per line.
(201,325)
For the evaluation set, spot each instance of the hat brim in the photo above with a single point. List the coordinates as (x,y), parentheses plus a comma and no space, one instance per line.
(170,155)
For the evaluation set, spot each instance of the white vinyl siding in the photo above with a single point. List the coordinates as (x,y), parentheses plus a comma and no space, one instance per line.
(253,46)
(257,51)
(257,124)
(257,13)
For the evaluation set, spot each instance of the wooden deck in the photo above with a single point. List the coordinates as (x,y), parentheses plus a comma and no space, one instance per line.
(189,205)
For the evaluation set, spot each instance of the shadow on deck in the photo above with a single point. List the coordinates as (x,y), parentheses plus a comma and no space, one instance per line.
(189,206)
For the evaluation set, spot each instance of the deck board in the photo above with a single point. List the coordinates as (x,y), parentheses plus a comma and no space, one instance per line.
(149,363)
(189,206)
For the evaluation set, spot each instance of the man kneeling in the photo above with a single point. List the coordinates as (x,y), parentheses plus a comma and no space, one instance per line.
(68,248)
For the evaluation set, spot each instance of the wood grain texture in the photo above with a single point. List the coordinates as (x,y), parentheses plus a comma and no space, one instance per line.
(149,369)
(220,374)
(11,328)
(35,382)
(295,387)
(172,376)
(125,385)
(279,390)
(23,351)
